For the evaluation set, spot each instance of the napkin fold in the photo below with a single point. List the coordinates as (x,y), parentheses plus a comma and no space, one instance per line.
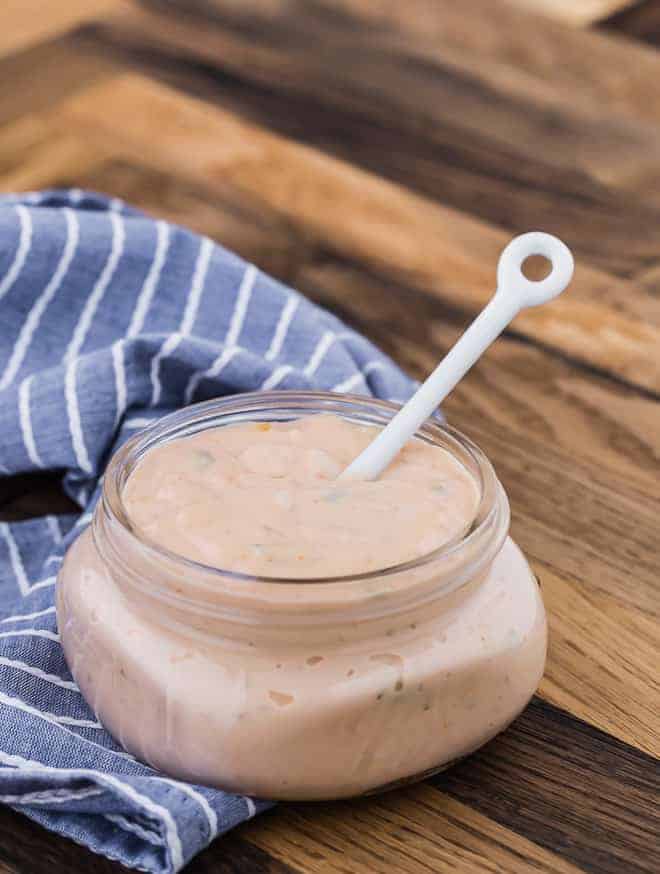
(109,320)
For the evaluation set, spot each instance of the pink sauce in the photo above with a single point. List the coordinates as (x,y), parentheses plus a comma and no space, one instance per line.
(308,690)
(263,499)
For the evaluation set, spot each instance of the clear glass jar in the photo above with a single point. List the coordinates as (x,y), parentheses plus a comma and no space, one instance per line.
(300,689)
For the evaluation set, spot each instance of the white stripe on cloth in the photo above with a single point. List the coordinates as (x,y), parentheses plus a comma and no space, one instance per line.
(24,616)
(31,323)
(120,378)
(197,287)
(251,806)
(54,717)
(165,350)
(17,704)
(213,371)
(26,422)
(151,282)
(241,305)
(91,305)
(286,316)
(54,527)
(33,671)
(32,632)
(209,813)
(52,796)
(15,558)
(357,378)
(276,377)
(22,250)
(116,818)
(143,833)
(42,584)
(75,427)
(171,833)
(318,354)
(187,322)
(138,422)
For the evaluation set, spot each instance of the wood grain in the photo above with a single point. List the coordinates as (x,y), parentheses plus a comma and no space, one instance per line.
(388,227)
(377,155)
(589,797)
(640,20)
(25,22)
(62,69)
(410,111)
(417,829)
(577,14)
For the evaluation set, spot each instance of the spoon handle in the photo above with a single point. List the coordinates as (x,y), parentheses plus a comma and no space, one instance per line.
(514,292)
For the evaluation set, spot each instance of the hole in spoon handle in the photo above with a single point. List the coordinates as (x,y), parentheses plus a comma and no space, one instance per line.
(512,282)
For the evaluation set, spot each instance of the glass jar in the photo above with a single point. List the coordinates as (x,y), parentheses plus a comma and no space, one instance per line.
(300,689)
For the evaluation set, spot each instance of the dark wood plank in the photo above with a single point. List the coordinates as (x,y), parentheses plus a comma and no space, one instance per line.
(28,495)
(387,227)
(62,71)
(580,792)
(415,830)
(639,20)
(443,130)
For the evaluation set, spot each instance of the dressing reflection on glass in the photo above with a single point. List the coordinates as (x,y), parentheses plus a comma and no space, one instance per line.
(237,617)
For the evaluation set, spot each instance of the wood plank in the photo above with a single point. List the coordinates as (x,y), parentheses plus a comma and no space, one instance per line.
(578,791)
(29,495)
(360,216)
(640,20)
(63,66)
(26,22)
(576,14)
(598,71)
(443,126)
(610,687)
(34,153)
(413,831)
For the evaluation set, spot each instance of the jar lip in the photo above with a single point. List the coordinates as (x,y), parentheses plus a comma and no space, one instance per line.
(206,414)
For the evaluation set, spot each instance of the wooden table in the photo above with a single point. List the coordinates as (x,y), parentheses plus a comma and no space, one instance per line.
(377,155)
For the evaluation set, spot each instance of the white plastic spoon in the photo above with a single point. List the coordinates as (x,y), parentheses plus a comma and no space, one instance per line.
(514,293)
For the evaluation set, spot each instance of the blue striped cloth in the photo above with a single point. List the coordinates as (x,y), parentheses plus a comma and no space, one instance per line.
(109,320)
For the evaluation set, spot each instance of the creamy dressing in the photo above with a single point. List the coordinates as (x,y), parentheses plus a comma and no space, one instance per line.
(262,498)
(293,690)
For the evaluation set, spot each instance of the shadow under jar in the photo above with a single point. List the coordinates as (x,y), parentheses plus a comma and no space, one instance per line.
(300,688)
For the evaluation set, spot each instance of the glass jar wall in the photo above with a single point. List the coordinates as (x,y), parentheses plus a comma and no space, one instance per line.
(300,688)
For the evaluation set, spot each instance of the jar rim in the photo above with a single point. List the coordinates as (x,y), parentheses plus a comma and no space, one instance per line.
(250,406)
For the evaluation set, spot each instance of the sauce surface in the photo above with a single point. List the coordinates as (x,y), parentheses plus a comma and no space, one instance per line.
(262,498)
